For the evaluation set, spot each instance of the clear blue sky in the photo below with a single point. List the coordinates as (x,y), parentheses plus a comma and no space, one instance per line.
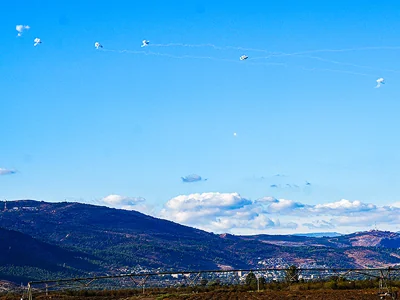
(80,123)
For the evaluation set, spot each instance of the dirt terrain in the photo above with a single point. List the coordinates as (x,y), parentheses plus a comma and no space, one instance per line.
(317,295)
(231,295)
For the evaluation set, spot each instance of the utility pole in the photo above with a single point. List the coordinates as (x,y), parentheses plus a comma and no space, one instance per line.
(29,291)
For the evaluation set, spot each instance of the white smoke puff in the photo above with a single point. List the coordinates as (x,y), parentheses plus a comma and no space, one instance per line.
(379,81)
(145,43)
(37,41)
(21,28)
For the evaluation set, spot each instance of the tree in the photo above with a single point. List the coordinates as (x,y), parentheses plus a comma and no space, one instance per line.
(292,274)
(217,282)
(262,280)
(251,280)
(203,282)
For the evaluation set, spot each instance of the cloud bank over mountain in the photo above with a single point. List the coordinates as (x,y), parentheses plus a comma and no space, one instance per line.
(232,213)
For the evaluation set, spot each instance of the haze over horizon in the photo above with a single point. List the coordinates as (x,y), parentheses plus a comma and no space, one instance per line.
(299,142)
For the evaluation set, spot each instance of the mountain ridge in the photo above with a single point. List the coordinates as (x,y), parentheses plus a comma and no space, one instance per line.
(318,234)
(19,251)
(114,241)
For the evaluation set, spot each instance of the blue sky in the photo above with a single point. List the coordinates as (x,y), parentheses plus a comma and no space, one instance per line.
(78,123)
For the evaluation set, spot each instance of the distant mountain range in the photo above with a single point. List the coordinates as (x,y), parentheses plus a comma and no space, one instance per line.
(41,240)
(319,234)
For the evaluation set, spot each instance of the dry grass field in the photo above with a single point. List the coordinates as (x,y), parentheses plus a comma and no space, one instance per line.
(369,294)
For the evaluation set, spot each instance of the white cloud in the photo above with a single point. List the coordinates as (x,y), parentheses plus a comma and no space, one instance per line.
(7,171)
(199,201)
(127,203)
(284,206)
(232,213)
(237,221)
(266,199)
(118,200)
(385,215)
(192,178)
(224,212)
(395,205)
(343,206)
(319,224)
